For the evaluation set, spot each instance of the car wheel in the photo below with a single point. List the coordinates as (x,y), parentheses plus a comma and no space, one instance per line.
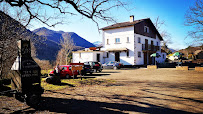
(48,79)
(67,76)
(115,68)
(75,76)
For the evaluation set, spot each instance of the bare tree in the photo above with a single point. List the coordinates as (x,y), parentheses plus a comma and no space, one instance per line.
(44,64)
(164,34)
(167,39)
(40,9)
(8,41)
(194,18)
(10,32)
(158,23)
(67,46)
(61,57)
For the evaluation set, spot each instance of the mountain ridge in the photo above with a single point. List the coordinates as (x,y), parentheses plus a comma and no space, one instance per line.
(50,50)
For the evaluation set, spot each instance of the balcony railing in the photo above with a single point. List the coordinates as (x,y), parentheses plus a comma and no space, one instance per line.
(149,47)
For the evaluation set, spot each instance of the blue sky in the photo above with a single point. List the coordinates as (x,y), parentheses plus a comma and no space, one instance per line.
(171,11)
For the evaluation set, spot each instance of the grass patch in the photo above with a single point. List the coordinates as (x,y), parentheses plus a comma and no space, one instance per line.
(69,83)
(45,72)
(47,86)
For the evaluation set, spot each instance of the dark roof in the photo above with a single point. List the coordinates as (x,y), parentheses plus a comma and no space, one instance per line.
(126,24)
(123,24)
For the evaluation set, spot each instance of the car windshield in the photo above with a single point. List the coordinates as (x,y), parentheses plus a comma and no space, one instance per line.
(85,63)
(63,68)
(93,63)
(106,63)
(110,62)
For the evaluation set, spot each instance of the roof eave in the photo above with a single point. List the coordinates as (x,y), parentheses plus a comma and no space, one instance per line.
(115,27)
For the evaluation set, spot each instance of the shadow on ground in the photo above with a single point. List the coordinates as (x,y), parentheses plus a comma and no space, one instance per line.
(110,71)
(185,98)
(6,91)
(61,105)
(95,74)
(64,84)
(65,105)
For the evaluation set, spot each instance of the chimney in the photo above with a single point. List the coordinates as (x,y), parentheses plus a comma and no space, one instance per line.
(131,18)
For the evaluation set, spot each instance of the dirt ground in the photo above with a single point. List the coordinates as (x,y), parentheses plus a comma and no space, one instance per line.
(132,91)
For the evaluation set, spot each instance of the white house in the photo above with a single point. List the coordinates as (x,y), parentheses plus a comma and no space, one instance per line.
(88,55)
(131,43)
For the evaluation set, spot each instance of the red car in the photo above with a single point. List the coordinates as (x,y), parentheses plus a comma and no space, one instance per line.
(65,72)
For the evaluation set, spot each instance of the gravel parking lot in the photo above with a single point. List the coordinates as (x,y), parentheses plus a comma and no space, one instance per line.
(131,91)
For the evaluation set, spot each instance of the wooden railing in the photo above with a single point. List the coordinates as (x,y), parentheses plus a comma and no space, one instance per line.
(150,47)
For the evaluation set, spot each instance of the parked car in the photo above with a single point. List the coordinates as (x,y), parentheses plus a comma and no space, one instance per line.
(65,72)
(87,69)
(95,65)
(112,65)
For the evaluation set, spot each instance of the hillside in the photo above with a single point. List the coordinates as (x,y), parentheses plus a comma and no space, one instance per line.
(190,50)
(49,49)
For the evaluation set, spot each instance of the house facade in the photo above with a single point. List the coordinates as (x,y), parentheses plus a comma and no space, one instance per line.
(131,43)
(88,55)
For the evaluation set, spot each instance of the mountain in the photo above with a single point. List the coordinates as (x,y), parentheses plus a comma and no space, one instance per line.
(97,43)
(172,50)
(12,29)
(48,50)
(190,50)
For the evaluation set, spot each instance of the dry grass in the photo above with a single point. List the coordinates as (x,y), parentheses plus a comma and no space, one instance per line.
(45,72)
(69,83)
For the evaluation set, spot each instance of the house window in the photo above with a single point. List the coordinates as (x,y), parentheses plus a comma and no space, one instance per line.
(117,40)
(107,54)
(139,54)
(157,43)
(107,41)
(146,29)
(152,42)
(128,40)
(139,40)
(127,53)
(163,56)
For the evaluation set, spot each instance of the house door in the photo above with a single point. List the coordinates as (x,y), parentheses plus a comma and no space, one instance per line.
(117,56)
(152,45)
(150,58)
(98,57)
(146,44)
(145,58)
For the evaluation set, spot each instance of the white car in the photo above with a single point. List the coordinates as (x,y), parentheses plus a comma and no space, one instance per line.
(112,65)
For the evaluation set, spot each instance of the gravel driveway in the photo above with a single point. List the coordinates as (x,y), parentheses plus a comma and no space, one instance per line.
(133,91)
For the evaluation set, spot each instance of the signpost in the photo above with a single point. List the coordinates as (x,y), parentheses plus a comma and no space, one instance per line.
(77,66)
(26,79)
